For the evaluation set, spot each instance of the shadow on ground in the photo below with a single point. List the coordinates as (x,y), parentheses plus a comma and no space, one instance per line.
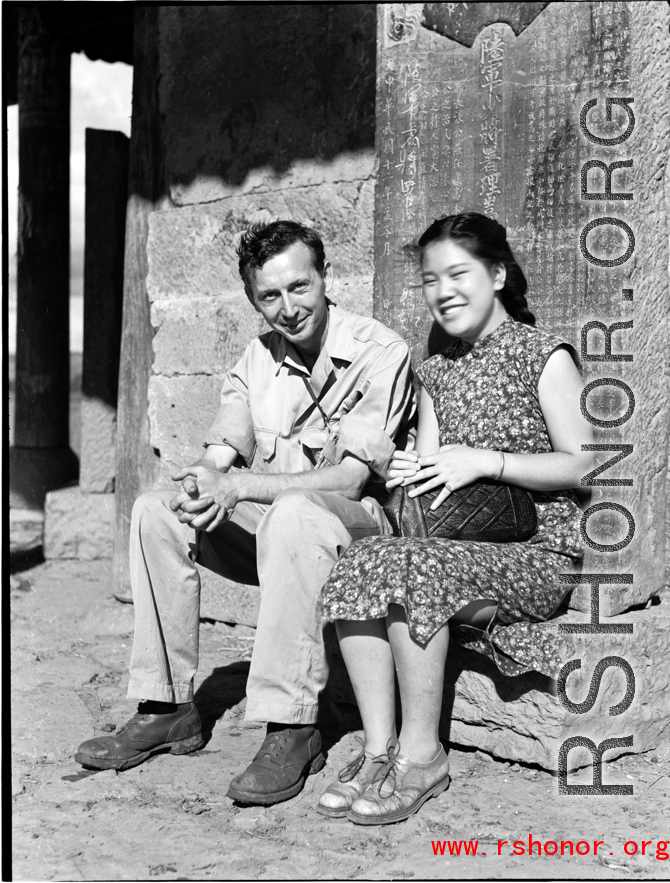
(221,691)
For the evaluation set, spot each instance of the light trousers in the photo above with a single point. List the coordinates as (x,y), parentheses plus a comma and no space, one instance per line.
(287,548)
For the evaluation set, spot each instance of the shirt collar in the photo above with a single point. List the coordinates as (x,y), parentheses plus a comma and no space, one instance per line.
(339,344)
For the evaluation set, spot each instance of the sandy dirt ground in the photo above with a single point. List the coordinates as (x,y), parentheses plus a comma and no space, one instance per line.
(169,819)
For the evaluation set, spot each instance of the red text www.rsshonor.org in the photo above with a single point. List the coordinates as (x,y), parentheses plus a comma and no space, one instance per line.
(649,848)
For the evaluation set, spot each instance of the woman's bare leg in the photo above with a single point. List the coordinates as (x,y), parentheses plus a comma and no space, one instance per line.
(420,671)
(367,654)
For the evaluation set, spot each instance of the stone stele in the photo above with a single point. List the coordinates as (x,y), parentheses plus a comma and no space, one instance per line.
(480,108)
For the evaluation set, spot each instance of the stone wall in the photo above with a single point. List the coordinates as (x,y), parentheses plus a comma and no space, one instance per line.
(274,119)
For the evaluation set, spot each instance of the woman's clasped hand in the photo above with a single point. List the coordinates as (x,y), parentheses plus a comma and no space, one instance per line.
(453,467)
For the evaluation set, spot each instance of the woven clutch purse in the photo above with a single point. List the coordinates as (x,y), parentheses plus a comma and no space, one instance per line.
(485,511)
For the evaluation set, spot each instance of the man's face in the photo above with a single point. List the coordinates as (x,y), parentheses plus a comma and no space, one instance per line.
(291,296)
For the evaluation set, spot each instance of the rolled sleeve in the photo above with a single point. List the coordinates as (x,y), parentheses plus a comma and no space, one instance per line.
(233,425)
(368,443)
(383,413)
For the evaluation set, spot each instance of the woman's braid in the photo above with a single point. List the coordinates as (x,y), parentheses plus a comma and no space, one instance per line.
(513,294)
(517,306)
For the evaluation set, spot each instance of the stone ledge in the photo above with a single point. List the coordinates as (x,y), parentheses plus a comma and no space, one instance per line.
(79,525)
(520,719)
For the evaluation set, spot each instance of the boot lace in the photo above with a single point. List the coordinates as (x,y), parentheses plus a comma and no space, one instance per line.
(352,769)
(273,743)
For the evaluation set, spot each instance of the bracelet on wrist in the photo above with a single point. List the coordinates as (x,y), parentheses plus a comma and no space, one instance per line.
(502,467)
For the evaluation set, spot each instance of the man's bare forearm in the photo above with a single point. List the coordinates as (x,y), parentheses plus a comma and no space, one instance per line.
(211,486)
(210,492)
(347,479)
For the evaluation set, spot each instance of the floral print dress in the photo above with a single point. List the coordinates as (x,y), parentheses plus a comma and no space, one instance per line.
(485,396)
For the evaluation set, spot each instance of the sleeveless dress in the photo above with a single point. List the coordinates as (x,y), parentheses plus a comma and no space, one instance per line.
(485,396)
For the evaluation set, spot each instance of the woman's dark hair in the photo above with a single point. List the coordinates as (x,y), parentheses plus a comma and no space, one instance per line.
(262,241)
(486,240)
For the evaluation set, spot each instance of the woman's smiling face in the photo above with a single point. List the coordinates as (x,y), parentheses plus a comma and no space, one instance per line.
(462,293)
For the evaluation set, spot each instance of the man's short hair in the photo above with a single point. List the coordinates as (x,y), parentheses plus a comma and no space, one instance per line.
(263,241)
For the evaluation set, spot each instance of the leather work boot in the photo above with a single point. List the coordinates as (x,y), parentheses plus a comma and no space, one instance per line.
(279,769)
(142,736)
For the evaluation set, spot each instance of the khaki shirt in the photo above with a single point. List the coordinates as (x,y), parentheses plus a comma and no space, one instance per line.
(362,380)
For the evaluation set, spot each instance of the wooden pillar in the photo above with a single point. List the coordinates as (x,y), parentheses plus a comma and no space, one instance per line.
(41,459)
(136,464)
(106,198)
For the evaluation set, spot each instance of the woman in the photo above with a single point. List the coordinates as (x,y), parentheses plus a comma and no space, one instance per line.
(501,402)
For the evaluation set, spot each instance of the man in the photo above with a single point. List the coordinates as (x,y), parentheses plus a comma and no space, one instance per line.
(310,414)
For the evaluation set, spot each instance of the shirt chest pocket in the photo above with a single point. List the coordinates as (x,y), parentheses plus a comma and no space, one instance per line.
(266,443)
